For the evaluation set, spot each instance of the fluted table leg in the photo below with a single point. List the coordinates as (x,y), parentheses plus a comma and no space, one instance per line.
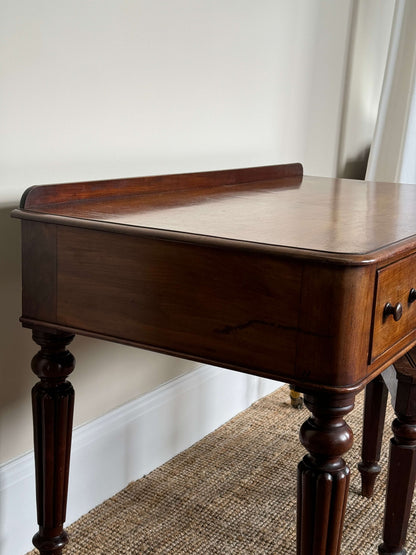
(52,401)
(376,394)
(402,466)
(323,476)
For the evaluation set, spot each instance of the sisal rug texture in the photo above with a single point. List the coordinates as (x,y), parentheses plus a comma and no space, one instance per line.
(234,492)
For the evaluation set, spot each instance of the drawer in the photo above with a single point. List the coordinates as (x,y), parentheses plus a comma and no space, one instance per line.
(395,284)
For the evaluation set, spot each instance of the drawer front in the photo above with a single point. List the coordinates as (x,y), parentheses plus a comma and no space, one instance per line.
(395,307)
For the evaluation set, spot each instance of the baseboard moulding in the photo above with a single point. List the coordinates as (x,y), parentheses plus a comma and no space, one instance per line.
(127,443)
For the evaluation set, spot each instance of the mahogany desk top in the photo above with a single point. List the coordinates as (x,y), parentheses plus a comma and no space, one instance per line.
(302,279)
(241,268)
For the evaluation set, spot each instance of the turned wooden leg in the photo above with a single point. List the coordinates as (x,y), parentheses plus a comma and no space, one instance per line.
(402,465)
(376,394)
(323,476)
(53,401)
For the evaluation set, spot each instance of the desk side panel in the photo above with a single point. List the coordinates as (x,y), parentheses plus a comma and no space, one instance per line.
(38,271)
(233,308)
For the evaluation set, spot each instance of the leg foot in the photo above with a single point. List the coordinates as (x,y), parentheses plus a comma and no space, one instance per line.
(52,401)
(46,542)
(374,414)
(383,550)
(402,465)
(323,476)
(296,399)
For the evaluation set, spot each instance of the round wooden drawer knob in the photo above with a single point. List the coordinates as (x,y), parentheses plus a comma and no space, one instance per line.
(396,310)
(412,295)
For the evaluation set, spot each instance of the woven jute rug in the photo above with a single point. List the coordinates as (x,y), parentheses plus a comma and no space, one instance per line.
(233,492)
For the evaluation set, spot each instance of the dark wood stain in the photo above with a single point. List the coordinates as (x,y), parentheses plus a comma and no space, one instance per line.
(261,270)
(39,270)
(181,298)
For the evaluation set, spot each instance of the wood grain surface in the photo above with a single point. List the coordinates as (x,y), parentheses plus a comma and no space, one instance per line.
(315,213)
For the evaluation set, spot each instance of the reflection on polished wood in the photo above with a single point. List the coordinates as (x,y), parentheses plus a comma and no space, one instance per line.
(260,270)
(323,214)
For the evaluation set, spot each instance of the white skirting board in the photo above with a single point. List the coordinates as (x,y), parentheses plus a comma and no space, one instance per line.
(126,444)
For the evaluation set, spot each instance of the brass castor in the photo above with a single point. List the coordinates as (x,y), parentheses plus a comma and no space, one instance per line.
(296,399)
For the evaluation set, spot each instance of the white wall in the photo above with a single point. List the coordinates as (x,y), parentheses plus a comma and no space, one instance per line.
(111,88)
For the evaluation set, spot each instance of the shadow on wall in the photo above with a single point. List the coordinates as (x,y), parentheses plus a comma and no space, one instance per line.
(13,338)
(15,342)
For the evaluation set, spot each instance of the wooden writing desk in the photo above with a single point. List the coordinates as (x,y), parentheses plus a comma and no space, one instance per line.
(301,279)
